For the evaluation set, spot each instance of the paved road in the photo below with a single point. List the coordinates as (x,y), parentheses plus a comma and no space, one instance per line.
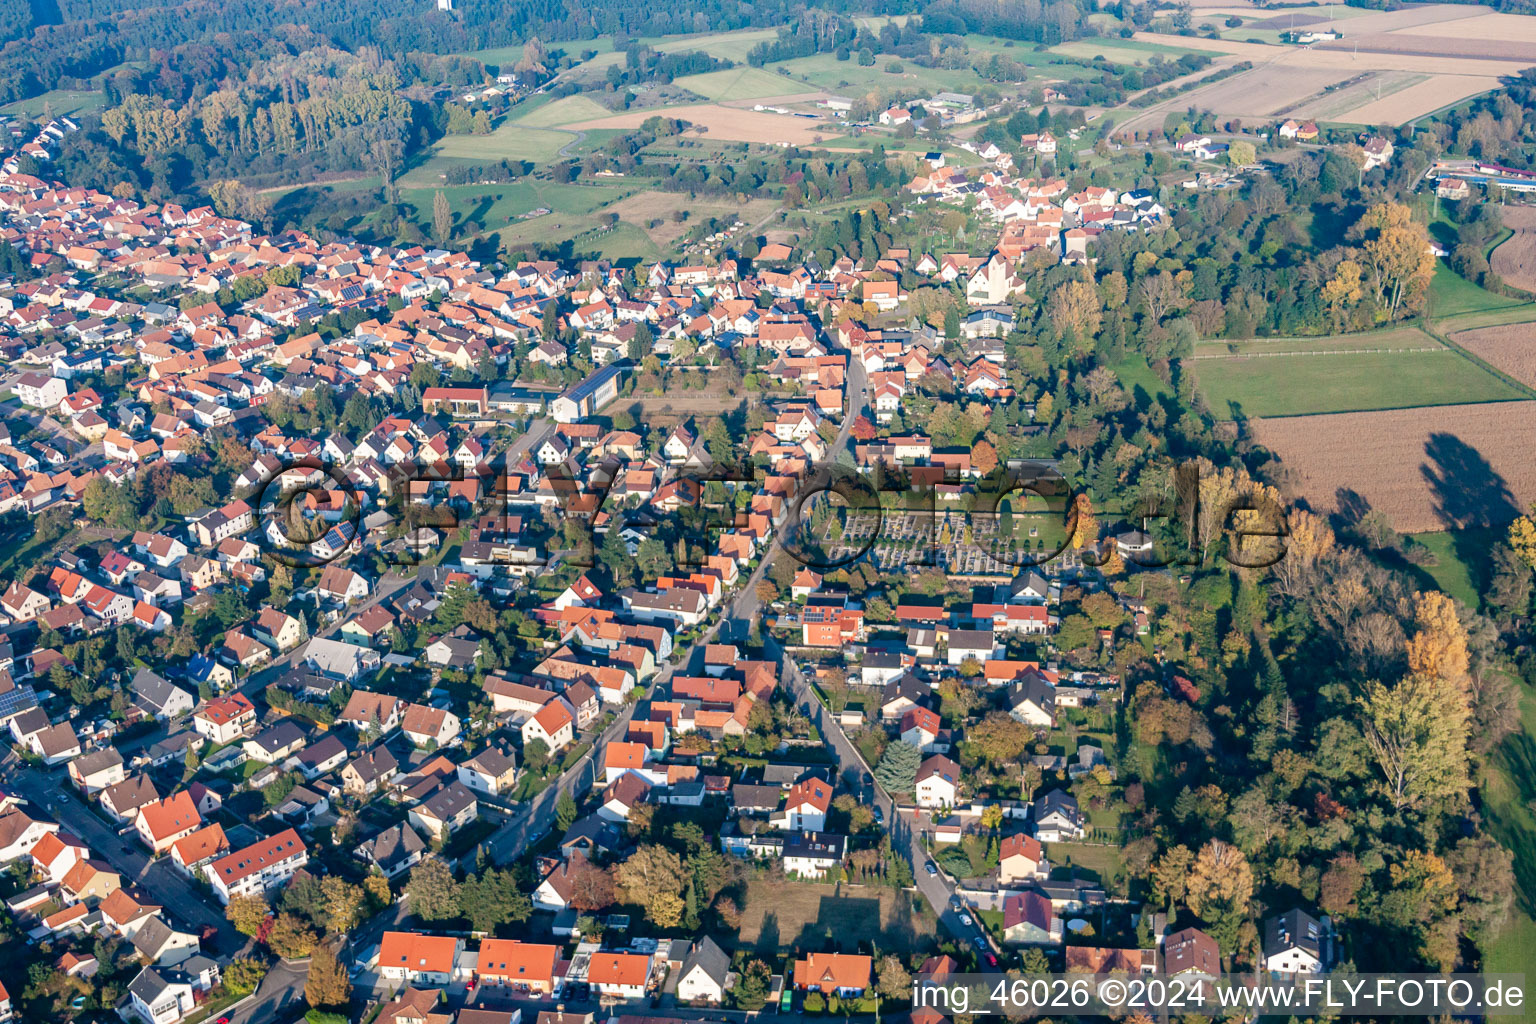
(53,797)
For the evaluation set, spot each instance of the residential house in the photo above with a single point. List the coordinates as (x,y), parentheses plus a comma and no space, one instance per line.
(526,967)
(415,958)
(938,782)
(1297,943)
(813,854)
(446,811)
(162,822)
(91,773)
(705,975)
(395,850)
(620,975)
(1029,920)
(258,868)
(842,974)
(276,743)
(429,727)
(1020,858)
(1057,817)
(368,771)
(1190,951)
(492,771)
(225,719)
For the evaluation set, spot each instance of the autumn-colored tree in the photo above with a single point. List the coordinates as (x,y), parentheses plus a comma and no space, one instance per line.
(999,738)
(328,986)
(1522,538)
(1308,538)
(343,903)
(654,877)
(1075,307)
(862,429)
(983,457)
(1438,647)
(1396,249)
(290,937)
(1342,290)
(247,913)
(1083,523)
(1220,887)
(442,218)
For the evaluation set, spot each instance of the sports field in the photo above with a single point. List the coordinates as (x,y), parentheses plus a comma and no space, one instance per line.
(1304,376)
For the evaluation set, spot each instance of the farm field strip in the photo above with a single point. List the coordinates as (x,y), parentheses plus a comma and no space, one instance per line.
(742,83)
(1427,469)
(1328,106)
(727,123)
(1510,348)
(1308,383)
(1514,259)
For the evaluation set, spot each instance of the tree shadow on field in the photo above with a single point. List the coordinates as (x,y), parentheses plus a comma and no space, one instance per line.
(1468,493)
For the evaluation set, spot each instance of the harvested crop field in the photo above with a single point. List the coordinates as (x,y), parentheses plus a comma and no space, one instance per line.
(1510,348)
(1417,99)
(1265,90)
(644,207)
(1515,258)
(728,123)
(1427,469)
(1511,27)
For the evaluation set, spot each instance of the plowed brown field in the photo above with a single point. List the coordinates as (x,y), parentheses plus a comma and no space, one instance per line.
(1515,258)
(1427,469)
(1510,347)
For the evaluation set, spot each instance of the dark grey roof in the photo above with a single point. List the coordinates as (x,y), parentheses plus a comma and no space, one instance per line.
(759,798)
(828,846)
(1295,929)
(393,845)
(154,689)
(279,736)
(449,801)
(708,957)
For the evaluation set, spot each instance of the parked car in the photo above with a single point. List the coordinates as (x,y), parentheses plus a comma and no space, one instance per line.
(931,868)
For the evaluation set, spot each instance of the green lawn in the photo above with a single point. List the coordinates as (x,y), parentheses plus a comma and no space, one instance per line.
(497,209)
(59,102)
(1134,372)
(556,113)
(825,71)
(1100,862)
(1304,384)
(732,46)
(1507,787)
(1119,51)
(1488,318)
(1451,571)
(510,141)
(1451,294)
(740,83)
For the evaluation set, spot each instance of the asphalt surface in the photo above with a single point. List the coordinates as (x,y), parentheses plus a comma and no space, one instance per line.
(51,796)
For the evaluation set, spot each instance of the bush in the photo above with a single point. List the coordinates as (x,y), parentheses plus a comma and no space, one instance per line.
(814,1003)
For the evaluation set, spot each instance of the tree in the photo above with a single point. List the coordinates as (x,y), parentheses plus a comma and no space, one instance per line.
(1439,647)
(1339,885)
(751,991)
(343,903)
(895,981)
(999,738)
(492,898)
(983,457)
(1416,731)
(1240,153)
(290,937)
(592,887)
(247,914)
(442,218)
(1075,309)
(897,769)
(328,985)
(1220,887)
(565,811)
(433,892)
(653,877)
(243,975)
(1170,875)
